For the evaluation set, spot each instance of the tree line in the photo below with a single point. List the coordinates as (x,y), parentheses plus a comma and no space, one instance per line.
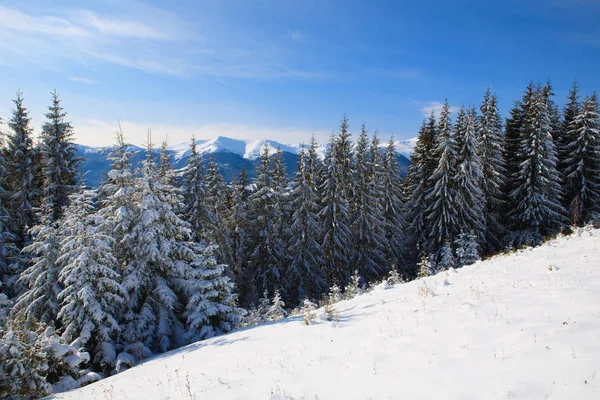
(152,259)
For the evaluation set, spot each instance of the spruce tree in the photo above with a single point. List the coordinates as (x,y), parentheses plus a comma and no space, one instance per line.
(217,195)
(8,251)
(418,184)
(20,171)
(335,233)
(92,296)
(305,272)
(196,208)
(393,205)
(469,177)
(567,134)
(238,225)
(119,211)
(537,196)
(582,165)
(60,167)
(39,302)
(491,142)
(210,308)
(368,225)
(265,270)
(443,210)
(155,278)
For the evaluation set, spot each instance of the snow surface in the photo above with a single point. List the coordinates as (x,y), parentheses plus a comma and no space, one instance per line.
(523,326)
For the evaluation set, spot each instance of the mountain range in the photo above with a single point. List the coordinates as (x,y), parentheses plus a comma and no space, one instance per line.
(230,154)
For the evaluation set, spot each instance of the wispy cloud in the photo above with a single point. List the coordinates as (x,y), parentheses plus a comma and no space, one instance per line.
(436,108)
(158,42)
(84,80)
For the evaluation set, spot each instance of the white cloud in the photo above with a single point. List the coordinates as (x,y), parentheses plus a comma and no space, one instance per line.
(84,80)
(436,107)
(157,42)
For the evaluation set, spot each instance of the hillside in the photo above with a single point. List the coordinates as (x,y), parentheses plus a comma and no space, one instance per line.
(230,154)
(524,326)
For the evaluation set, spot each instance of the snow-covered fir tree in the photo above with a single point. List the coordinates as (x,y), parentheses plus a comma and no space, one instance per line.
(344,156)
(89,272)
(466,249)
(470,199)
(155,278)
(425,267)
(368,234)
(20,171)
(8,250)
(446,259)
(567,134)
(196,209)
(238,226)
(393,204)
(491,142)
(305,272)
(119,211)
(39,302)
(281,210)
(538,211)
(418,184)
(211,308)
(335,231)
(265,268)
(59,164)
(217,197)
(582,163)
(513,156)
(443,210)
(277,310)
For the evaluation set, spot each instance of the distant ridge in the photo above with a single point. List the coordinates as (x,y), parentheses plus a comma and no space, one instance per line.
(230,154)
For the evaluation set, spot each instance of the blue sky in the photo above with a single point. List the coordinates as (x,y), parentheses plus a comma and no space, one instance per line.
(281,69)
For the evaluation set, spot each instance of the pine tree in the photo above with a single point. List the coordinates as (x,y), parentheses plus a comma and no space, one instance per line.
(582,165)
(60,166)
(8,251)
(567,134)
(265,269)
(447,259)
(335,233)
(513,156)
(119,211)
(393,205)
(345,159)
(238,226)
(418,184)
(155,279)
(20,172)
(211,308)
(466,249)
(92,295)
(537,196)
(217,194)
(277,310)
(368,225)
(305,273)
(39,302)
(491,143)
(196,209)
(281,210)
(470,199)
(443,212)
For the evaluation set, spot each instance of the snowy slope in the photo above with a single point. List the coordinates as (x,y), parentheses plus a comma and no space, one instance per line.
(523,326)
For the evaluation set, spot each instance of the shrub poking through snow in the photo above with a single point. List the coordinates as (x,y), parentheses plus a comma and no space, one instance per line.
(308,311)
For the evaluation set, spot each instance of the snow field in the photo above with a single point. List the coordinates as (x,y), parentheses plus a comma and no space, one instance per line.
(524,326)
